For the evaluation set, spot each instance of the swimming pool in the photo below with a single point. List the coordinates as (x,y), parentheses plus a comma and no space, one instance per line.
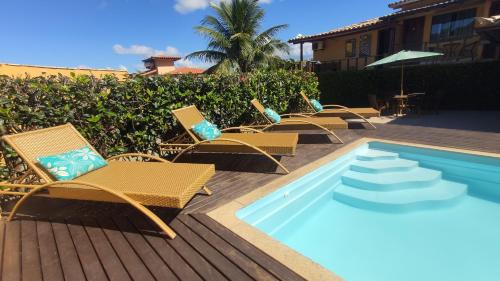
(386,211)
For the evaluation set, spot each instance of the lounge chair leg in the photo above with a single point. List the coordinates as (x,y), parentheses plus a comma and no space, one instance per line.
(207,191)
(320,127)
(234,141)
(145,211)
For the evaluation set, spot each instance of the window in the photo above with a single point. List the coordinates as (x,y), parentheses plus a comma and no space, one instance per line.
(350,48)
(318,45)
(453,25)
(364,45)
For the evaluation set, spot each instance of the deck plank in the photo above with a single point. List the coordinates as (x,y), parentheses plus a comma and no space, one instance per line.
(111,263)
(11,268)
(132,262)
(244,263)
(91,265)
(31,269)
(71,266)
(195,260)
(2,244)
(154,263)
(224,266)
(259,257)
(181,269)
(49,258)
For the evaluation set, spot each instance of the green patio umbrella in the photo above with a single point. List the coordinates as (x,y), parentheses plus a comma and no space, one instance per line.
(403,57)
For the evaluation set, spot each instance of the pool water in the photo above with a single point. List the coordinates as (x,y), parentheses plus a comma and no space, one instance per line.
(387,212)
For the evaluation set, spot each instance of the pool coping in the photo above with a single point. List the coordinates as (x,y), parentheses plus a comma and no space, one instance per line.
(302,265)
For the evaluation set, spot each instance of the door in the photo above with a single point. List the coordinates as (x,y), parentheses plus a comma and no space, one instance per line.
(413,34)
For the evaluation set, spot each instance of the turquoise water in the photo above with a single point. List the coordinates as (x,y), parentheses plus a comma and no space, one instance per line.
(387,212)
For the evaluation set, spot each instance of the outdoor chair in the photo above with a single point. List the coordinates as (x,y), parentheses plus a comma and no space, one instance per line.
(297,121)
(335,110)
(136,179)
(415,102)
(379,104)
(248,140)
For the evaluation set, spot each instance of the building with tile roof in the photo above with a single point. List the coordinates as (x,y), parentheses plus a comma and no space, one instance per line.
(446,26)
(164,65)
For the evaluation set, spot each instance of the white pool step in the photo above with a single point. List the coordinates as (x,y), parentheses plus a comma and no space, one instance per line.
(383,166)
(442,193)
(373,154)
(416,178)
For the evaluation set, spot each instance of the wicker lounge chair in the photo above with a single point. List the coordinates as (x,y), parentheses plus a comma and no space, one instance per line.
(335,110)
(297,121)
(137,179)
(247,140)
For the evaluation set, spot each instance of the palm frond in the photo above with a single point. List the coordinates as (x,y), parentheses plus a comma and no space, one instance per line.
(234,43)
(208,56)
(269,34)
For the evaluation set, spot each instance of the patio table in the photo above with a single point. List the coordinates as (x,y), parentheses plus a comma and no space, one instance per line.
(401,101)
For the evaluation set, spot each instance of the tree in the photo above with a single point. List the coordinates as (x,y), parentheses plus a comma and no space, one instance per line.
(234,41)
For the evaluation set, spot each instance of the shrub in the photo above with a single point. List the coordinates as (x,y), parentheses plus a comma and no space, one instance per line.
(134,114)
(470,86)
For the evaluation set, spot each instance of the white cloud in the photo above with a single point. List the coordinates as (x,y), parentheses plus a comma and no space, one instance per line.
(122,67)
(145,51)
(139,67)
(190,63)
(295,51)
(187,6)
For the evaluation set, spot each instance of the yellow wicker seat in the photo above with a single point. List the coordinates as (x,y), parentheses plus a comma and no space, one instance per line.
(248,140)
(335,110)
(297,121)
(157,182)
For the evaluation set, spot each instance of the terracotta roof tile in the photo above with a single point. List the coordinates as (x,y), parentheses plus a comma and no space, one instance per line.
(352,27)
(398,4)
(187,70)
(162,58)
(426,7)
(369,23)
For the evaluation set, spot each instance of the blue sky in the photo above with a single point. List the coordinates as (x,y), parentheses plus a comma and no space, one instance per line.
(120,33)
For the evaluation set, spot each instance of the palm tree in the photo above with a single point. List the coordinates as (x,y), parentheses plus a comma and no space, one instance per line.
(234,42)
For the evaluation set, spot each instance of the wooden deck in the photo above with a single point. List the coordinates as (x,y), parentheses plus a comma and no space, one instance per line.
(72,240)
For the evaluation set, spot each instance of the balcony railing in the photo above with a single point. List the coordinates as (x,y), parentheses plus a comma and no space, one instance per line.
(455,51)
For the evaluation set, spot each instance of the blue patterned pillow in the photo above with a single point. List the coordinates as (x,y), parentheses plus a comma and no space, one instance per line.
(316,105)
(206,130)
(72,164)
(272,115)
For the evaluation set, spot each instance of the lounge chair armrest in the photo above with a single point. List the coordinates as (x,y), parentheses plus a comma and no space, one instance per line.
(241,128)
(138,155)
(306,115)
(335,105)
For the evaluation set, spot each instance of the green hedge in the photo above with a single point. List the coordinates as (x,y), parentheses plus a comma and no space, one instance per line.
(470,86)
(133,115)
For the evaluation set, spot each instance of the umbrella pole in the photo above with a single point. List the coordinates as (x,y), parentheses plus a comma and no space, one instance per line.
(402,77)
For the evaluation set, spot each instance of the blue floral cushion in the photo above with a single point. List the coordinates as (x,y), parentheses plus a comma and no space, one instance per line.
(272,115)
(206,130)
(72,164)
(316,105)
